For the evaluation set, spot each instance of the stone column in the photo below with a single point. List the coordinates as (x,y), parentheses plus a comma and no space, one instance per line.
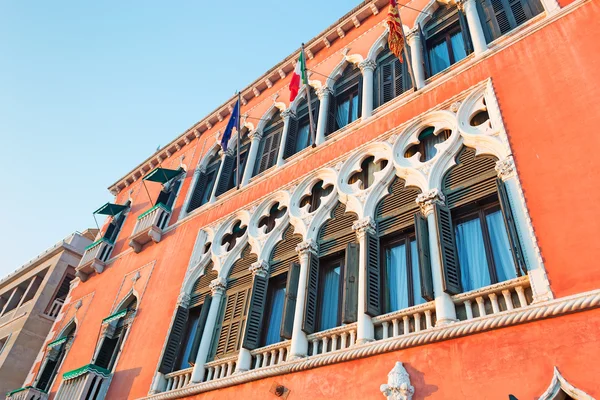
(244,362)
(286,115)
(444,306)
(475,29)
(223,154)
(323,94)
(299,345)
(416,54)
(540,285)
(364,325)
(367,68)
(217,288)
(255,138)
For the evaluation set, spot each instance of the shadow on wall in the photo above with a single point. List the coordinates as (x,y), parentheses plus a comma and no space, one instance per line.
(121,384)
(417,379)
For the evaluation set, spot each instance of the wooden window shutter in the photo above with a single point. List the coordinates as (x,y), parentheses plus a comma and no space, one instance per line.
(173,193)
(258,302)
(167,364)
(225,178)
(47,374)
(292,137)
(446,243)
(106,352)
(360,95)
(386,77)
(274,149)
(200,330)
(350,298)
(331,123)
(422,235)
(232,323)
(264,157)
(310,303)
(373,276)
(289,306)
(511,225)
(464,30)
(198,193)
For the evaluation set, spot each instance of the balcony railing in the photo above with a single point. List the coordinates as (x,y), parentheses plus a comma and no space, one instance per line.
(88,382)
(149,226)
(334,339)
(220,368)
(269,356)
(54,308)
(410,320)
(27,393)
(94,258)
(178,379)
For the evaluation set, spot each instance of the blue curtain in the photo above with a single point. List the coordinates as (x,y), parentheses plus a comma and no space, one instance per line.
(330,299)
(439,59)
(302,139)
(458,46)
(397,285)
(341,114)
(505,266)
(275,315)
(193,324)
(471,255)
(354,115)
(416,275)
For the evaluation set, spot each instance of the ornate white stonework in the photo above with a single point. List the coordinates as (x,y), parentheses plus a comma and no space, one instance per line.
(260,268)
(307,246)
(398,386)
(364,226)
(323,92)
(218,286)
(506,168)
(427,200)
(183,300)
(367,64)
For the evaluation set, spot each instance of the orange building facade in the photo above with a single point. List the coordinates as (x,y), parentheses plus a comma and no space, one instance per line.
(432,244)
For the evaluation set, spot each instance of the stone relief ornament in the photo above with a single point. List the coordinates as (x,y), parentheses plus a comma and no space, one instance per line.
(398,386)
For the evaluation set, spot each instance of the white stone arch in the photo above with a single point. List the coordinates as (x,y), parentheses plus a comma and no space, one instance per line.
(339,69)
(276,107)
(72,321)
(212,151)
(427,12)
(223,259)
(126,299)
(363,202)
(263,243)
(559,384)
(199,260)
(315,85)
(308,223)
(426,175)
(200,168)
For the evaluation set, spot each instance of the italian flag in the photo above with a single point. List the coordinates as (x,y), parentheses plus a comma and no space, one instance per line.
(298,77)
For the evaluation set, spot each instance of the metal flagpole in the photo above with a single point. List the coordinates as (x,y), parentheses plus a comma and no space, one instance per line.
(237,171)
(310,113)
(406,49)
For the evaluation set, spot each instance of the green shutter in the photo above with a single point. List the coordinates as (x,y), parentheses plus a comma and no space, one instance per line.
(200,330)
(198,193)
(258,302)
(167,364)
(350,300)
(106,352)
(292,137)
(226,171)
(289,306)
(373,276)
(422,235)
(309,321)
(511,225)
(446,243)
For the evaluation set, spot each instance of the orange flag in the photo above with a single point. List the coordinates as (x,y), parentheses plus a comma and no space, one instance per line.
(396,37)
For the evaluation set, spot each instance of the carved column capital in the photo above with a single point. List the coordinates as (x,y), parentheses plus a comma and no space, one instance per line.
(461,4)
(308,246)
(506,168)
(288,113)
(255,135)
(367,65)
(364,226)
(413,35)
(200,170)
(427,200)
(323,92)
(260,268)
(184,300)
(218,286)
(398,386)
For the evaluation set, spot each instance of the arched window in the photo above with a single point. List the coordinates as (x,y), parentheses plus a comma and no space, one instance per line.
(298,135)
(346,102)
(54,356)
(228,179)
(392,78)
(428,138)
(205,184)
(501,16)
(115,329)
(446,38)
(269,144)
(366,175)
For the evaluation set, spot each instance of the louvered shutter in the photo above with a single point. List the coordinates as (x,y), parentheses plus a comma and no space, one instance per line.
(511,225)
(200,329)
(331,122)
(107,349)
(464,30)
(198,193)
(233,322)
(46,375)
(373,276)
(399,78)
(422,236)
(264,157)
(350,298)
(226,171)
(254,321)
(292,137)
(446,243)
(310,303)
(167,364)
(360,95)
(386,77)
(289,306)
(274,149)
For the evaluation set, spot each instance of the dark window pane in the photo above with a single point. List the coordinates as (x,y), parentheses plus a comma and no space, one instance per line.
(415,275)
(396,278)
(439,59)
(303,137)
(330,291)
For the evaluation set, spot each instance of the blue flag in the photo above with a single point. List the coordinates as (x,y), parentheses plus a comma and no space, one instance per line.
(233,122)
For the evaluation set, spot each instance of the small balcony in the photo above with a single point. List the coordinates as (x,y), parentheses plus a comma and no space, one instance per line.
(94,258)
(149,227)
(88,382)
(27,393)
(54,309)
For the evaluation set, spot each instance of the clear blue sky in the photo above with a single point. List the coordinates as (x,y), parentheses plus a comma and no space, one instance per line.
(88,89)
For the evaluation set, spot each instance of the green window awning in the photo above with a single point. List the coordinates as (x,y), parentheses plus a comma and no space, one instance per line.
(115,316)
(162,175)
(110,209)
(57,342)
(84,370)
